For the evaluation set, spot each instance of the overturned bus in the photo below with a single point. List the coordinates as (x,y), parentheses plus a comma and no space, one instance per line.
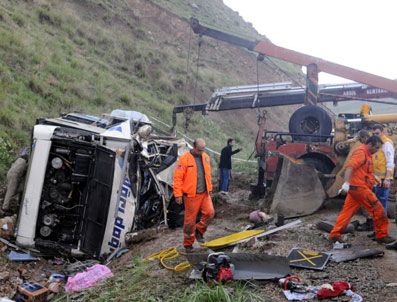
(91,180)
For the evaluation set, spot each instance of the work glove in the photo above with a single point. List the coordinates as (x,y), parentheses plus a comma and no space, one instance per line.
(345,188)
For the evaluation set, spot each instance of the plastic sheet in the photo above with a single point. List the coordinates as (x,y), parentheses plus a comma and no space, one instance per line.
(88,278)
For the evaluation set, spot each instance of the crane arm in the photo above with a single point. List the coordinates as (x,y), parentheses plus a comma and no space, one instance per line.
(269,49)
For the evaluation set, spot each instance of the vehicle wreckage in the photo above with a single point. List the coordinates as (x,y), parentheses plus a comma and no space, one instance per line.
(91,180)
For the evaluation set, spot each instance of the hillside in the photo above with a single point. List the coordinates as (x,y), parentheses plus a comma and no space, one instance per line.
(98,55)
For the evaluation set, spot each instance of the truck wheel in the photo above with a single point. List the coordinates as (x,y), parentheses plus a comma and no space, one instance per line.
(310,120)
(319,164)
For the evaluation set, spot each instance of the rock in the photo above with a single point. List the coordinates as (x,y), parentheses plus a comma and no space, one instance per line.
(7,226)
(4,276)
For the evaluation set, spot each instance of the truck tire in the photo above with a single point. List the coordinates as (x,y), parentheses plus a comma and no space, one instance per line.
(320,165)
(310,120)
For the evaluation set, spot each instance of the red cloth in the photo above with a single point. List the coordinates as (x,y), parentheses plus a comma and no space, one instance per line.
(338,288)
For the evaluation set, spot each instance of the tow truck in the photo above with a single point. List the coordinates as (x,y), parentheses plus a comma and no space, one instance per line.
(290,188)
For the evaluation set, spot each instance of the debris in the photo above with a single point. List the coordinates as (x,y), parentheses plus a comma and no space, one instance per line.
(168,254)
(245,236)
(354,253)
(292,283)
(341,245)
(14,256)
(232,239)
(56,261)
(116,253)
(4,299)
(246,266)
(296,195)
(335,290)
(7,226)
(55,277)
(4,276)
(141,236)
(355,297)
(30,291)
(218,268)
(79,266)
(14,179)
(308,259)
(258,217)
(88,278)
(327,226)
(296,296)
(13,245)
(55,287)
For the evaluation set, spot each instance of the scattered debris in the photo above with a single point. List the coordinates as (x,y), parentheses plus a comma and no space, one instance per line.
(327,226)
(246,266)
(88,278)
(353,253)
(117,253)
(166,255)
(7,225)
(15,256)
(232,239)
(218,268)
(341,245)
(335,290)
(79,266)
(299,296)
(14,180)
(30,291)
(141,236)
(308,259)
(257,217)
(292,283)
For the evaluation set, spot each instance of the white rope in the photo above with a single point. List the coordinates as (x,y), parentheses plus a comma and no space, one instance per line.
(209,149)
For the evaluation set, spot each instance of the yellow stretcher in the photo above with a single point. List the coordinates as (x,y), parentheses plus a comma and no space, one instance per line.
(232,238)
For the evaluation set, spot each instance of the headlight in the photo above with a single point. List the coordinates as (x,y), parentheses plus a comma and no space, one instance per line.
(56,163)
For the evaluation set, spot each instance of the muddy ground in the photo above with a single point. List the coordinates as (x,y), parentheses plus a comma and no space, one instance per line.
(369,276)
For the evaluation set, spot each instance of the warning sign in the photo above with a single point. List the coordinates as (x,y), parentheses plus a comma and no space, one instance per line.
(308,259)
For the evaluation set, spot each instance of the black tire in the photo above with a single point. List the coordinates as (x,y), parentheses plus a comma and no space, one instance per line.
(319,164)
(311,120)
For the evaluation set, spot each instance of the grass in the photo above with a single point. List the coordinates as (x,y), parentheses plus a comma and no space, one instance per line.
(98,55)
(235,292)
(141,281)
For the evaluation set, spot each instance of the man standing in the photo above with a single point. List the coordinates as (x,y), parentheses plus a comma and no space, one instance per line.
(383,169)
(359,180)
(383,165)
(192,185)
(225,165)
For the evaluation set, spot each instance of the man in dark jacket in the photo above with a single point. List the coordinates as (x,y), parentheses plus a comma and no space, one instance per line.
(225,165)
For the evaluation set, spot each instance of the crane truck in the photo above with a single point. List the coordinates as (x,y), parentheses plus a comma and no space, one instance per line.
(314,138)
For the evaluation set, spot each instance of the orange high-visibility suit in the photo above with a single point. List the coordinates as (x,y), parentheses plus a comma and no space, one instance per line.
(185,184)
(360,195)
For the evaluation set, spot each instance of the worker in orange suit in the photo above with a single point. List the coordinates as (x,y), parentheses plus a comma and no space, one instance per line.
(359,181)
(192,186)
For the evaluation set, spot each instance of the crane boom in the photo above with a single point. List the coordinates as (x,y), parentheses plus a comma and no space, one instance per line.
(269,49)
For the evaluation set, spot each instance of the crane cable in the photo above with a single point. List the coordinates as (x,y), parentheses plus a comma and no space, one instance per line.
(197,68)
(188,61)
(168,254)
